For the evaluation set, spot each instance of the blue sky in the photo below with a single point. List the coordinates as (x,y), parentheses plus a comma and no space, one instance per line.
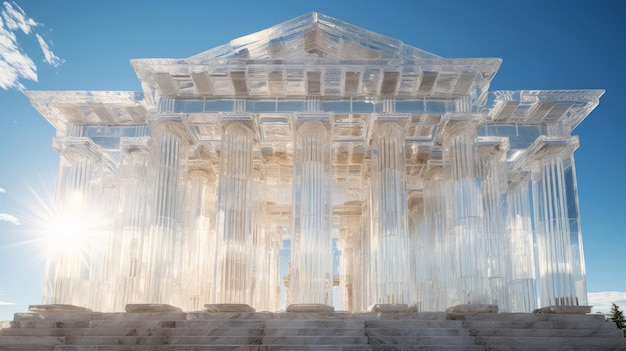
(544,45)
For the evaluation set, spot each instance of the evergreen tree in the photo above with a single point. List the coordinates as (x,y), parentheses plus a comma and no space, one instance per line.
(617,316)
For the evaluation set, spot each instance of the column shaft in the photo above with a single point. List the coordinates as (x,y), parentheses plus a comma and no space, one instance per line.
(160,252)
(234,234)
(390,266)
(311,261)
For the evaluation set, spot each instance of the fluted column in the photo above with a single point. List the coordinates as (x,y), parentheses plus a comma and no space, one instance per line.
(234,218)
(443,255)
(311,260)
(132,209)
(493,172)
(521,252)
(459,152)
(555,204)
(199,239)
(67,276)
(162,250)
(390,265)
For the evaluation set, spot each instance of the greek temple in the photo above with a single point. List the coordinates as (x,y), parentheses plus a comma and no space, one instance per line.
(316,162)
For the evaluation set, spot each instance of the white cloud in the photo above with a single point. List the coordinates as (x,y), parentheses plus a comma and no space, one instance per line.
(3,190)
(601,301)
(15,64)
(9,218)
(4,303)
(49,56)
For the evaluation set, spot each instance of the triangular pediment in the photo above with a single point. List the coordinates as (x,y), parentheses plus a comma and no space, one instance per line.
(315,35)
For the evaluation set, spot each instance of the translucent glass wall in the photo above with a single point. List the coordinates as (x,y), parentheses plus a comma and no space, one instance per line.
(390,269)
(235,212)
(311,260)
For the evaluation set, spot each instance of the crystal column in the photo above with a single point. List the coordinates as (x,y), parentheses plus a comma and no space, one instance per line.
(234,218)
(132,179)
(445,265)
(492,155)
(559,249)
(162,281)
(67,276)
(521,252)
(390,266)
(199,238)
(312,261)
(467,210)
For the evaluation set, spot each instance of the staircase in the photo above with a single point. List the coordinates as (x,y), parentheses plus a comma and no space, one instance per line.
(178,331)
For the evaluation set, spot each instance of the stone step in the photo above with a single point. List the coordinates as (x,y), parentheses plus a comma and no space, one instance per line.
(163,340)
(314,332)
(25,347)
(417,332)
(313,323)
(552,343)
(313,315)
(132,332)
(195,323)
(524,317)
(32,340)
(74,316)
(422,340)
(229,323)
(230,315)
(412,324)
(532,325)
(603,332)
(426,348)
(401,315)
(49,324)
(315,340)
(316,348)
(212,347)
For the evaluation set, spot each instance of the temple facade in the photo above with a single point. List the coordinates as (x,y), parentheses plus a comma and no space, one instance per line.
(316,162)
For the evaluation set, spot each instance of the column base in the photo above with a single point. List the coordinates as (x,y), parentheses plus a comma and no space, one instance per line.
(472,308)
(228,307)
(391,308)
(57,308)
(150,308)
(309,307)
(563,310)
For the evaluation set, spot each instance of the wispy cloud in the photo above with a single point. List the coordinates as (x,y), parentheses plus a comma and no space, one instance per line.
(4,303)
(49,56)
(9,218)
(601,301)
(15,64)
